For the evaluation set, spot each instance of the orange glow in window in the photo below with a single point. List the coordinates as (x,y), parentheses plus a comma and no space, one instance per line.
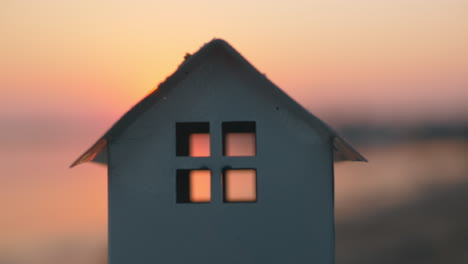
(240,185)
(199,145)
(200,186)
(240,144)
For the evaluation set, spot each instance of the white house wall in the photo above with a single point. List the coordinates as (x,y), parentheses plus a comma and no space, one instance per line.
(292,220)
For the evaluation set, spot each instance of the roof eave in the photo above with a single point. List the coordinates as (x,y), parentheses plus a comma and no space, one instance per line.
(345,152)
(94,153)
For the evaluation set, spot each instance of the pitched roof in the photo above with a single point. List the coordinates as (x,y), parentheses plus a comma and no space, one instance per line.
(98,151)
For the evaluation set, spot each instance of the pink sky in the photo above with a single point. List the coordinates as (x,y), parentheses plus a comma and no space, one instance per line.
(385,60)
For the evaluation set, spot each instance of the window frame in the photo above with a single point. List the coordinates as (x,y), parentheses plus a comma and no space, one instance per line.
(217,163)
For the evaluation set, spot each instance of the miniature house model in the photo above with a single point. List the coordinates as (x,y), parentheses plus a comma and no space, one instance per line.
(218,165)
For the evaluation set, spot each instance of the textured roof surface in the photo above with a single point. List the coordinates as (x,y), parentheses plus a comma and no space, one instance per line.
(98,151)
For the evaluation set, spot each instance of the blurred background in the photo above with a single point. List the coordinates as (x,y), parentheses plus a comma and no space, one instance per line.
(391,76)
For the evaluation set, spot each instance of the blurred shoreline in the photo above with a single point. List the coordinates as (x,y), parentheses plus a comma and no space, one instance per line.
(378,135)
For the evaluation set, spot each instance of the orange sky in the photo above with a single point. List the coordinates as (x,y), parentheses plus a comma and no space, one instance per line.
(392,58)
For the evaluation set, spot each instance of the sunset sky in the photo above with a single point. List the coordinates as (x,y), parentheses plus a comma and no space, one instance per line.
(69,69)
(397,59)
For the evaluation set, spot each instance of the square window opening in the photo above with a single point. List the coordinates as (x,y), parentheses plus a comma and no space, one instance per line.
(239,139)
(193,139)
(193,186)
(240,185)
